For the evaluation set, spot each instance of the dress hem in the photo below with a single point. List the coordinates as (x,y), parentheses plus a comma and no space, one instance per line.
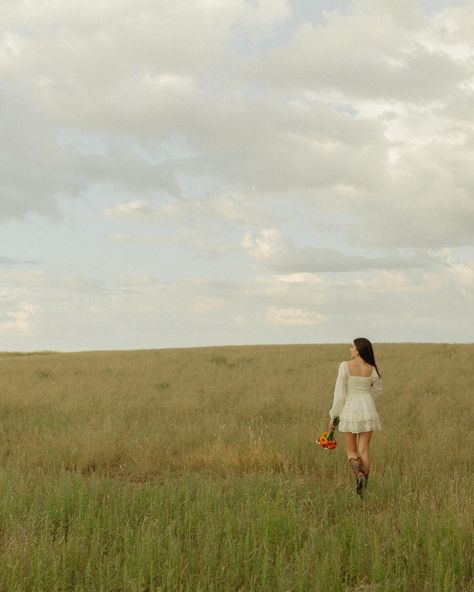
(357,427)
(360,432)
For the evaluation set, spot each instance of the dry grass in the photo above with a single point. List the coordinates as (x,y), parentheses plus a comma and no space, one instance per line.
(196,469)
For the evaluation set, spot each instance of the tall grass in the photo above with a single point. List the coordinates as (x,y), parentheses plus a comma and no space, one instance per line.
(197,469)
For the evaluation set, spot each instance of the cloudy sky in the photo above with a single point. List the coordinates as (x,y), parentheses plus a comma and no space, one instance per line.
(203,172)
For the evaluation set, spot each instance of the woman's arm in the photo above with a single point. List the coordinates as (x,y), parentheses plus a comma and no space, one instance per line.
(376,386)
(339,391)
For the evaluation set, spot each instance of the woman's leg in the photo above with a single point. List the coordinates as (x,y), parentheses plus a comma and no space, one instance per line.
(364,443)
(354,460)
(351,445)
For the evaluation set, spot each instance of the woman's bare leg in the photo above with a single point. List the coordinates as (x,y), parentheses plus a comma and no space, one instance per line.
(351,445)
(364,443)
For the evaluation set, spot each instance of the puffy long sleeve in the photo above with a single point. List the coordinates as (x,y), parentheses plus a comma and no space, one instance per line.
(340,391)
(376,385)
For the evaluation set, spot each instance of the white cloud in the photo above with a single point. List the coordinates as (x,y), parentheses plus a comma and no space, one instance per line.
(132,281)
(294,317)
(271,249)
(132,208)
(17,316)
(215,251)
(339,148)
(19,280)
(374,117)
(451,31)
(207,305)
(372,56)
(229,208)
(139,310)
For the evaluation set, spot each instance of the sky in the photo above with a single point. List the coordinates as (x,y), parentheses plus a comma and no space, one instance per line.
(183,173)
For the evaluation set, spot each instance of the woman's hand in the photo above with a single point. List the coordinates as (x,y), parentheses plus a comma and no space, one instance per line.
(332,427)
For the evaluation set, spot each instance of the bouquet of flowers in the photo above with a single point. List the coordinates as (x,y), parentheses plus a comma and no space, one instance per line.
(326,439)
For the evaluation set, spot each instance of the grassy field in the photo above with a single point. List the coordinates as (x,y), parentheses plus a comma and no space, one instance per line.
(197,469)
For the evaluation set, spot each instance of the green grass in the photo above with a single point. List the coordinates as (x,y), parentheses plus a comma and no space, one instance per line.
(197,469)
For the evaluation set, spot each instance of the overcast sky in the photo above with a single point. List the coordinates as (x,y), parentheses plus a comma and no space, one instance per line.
(182,173)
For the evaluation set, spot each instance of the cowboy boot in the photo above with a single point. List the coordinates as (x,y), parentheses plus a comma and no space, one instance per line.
(355,464)
(366,475)
(359,475)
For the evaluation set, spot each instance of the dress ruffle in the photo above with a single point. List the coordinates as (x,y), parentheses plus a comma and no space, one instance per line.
(358,426)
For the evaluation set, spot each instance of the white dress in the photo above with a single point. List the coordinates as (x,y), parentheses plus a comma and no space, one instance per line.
(354,401)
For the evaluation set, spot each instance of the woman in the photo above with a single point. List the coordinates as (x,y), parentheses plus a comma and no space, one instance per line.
(358,382)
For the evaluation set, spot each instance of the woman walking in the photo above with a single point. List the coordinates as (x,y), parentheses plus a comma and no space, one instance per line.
(358,383)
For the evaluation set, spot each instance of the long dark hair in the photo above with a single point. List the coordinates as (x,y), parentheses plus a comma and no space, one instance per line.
(366,351)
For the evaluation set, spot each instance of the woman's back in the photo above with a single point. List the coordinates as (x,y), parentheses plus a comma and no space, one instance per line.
(360,369)
(359,385)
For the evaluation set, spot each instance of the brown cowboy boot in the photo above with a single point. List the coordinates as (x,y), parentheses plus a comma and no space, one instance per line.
(355,464)
(366,475)
(359,475)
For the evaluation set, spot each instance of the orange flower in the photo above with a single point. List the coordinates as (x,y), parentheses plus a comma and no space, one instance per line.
(325,443)
(327,440)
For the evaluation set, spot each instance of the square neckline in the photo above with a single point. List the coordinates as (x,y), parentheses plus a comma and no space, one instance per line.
(354,375)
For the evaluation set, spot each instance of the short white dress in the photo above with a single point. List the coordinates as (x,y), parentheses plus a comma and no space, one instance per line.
(354,401)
